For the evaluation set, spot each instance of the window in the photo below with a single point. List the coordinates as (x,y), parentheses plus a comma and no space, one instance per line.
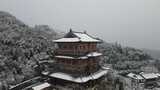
(80,47)
(69,61)
(90,46)
(70,46)
(79,61)
(75,47)
(63,47)
(74,62)
(63,61)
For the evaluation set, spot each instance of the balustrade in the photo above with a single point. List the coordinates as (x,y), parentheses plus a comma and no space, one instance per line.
(73,52)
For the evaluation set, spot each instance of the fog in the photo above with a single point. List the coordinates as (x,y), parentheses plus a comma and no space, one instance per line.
(129,22)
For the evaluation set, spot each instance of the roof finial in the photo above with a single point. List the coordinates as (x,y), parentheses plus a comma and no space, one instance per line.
(70,29)
(85,31)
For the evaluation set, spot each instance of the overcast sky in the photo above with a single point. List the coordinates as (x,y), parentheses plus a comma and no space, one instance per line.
(133,23)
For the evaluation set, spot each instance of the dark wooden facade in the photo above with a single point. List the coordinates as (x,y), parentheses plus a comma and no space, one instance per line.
(76,50)
(90,64)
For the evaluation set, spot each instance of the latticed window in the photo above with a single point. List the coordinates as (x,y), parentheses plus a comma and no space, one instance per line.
(63,61)
(74,62)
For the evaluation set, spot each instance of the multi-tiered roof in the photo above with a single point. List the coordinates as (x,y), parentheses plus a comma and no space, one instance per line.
(77,58)
(77,37)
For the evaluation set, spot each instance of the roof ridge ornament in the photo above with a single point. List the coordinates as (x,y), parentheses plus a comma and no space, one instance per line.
(70,30)
(85,31)
(73,36)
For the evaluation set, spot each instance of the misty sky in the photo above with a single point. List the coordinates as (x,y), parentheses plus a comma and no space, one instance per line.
(133,23)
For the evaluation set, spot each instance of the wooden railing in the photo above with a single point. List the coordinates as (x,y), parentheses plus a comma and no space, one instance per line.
(26,83)
(79,68)
(73,52)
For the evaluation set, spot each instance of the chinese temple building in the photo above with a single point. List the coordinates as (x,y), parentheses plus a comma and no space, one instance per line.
(77,59)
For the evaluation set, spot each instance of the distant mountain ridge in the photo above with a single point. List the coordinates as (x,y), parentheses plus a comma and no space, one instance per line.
(154,53)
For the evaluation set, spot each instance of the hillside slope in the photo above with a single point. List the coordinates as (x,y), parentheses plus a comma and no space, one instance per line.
(22,47)
(123,58)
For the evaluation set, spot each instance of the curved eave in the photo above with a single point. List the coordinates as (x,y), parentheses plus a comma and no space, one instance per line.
(75,40)
(81,79)
(92,54)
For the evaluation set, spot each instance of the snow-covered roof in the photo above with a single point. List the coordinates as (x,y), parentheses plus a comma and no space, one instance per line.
(144,75)
(92,54)
(99,74)
(158,74)
(81,79)
(41,86)
(67,57)
(149,75)
(135,76)
(67,40)
(78,37)
(85,37)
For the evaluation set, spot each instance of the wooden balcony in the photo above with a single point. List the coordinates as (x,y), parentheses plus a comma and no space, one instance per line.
(73,52)
(81,68)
